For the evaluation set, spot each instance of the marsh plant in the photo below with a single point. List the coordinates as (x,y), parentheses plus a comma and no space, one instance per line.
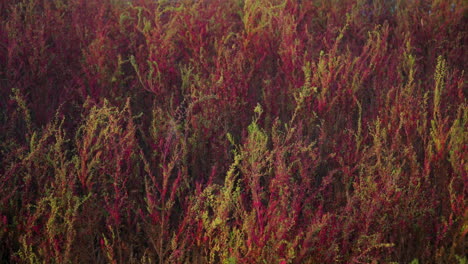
(231,131)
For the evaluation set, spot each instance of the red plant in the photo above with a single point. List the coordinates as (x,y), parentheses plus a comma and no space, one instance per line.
(218,131)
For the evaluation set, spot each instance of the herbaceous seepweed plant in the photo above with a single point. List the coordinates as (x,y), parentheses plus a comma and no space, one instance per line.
(233,131)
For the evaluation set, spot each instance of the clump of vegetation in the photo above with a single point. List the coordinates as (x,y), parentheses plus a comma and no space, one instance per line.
(232,131)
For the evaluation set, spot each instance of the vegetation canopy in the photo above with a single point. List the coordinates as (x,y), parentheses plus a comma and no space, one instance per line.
(233,131)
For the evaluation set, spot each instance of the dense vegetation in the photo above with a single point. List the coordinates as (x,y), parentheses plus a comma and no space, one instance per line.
(230,131)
